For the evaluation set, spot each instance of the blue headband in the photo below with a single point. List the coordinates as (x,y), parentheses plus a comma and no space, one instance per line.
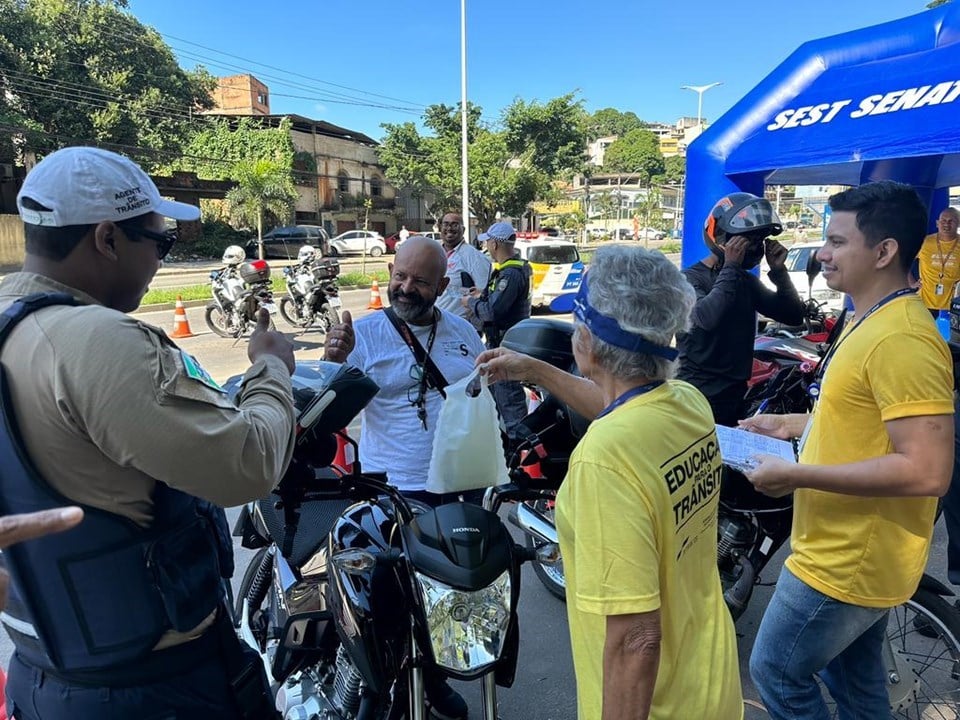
(606,328)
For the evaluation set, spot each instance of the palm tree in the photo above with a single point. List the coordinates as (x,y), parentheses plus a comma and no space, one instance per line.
(262,186)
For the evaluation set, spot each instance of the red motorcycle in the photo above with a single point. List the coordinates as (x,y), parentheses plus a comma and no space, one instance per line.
(785,362)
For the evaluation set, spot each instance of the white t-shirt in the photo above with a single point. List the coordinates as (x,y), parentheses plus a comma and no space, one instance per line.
(392,439)
(464,258)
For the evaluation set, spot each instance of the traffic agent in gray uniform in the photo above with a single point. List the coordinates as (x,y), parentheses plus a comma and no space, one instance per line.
(504,303)
(124,615)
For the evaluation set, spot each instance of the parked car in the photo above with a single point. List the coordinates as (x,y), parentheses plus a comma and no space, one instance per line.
(796,263)
(391,241)
(433,235)
(285,242)
(556,268)
(356,242)
(647,233)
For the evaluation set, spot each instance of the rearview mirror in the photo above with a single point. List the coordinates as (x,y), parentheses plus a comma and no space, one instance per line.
(813,266)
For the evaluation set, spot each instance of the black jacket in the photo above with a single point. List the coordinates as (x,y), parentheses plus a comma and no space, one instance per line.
(506,300)
(718,350)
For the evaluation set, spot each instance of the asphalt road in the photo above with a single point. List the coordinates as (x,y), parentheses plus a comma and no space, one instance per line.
(545,687)
(185,274)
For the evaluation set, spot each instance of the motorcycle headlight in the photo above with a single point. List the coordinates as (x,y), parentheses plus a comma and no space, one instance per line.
(467,629)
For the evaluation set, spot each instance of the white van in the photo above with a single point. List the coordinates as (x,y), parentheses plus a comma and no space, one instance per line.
(796,263)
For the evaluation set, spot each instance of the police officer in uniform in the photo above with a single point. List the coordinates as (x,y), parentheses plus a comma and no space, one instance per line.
(504,303)
(124,615)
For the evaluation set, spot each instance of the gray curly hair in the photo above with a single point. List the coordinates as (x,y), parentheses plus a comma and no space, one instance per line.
(646,293)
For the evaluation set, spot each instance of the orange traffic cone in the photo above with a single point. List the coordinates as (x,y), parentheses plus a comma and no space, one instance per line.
(375,302)
(181,327)
(533,469)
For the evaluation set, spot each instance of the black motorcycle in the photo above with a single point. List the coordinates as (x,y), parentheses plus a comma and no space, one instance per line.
(355,591)
(313,295)
(922,652)
(238,294)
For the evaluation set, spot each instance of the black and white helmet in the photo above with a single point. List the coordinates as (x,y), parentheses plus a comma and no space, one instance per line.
(306,254)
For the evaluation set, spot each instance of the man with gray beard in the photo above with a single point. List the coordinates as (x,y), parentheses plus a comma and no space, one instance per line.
(396,439)
(399,423)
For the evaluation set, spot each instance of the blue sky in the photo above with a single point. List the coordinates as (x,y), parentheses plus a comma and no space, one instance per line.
(631,55)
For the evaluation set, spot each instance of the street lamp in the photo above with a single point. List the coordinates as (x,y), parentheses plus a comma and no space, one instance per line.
(465,183)
(700,90)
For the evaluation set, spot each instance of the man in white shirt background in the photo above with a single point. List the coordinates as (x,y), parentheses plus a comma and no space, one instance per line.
(466,267)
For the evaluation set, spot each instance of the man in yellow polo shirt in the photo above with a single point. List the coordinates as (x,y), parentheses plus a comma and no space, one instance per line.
(939,262)
(875,453)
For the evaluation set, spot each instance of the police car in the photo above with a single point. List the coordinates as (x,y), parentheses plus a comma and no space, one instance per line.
(556,265)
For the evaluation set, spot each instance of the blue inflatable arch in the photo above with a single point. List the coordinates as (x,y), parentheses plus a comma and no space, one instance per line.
(881,103)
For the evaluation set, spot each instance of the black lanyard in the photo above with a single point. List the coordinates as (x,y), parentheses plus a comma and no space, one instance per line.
(814,388)
(629,395)
(422,386)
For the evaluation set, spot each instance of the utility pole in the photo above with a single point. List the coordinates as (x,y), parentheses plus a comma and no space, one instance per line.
(700,90)
(465,183)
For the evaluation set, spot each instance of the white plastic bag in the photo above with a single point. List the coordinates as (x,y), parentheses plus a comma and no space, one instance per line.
(467,450)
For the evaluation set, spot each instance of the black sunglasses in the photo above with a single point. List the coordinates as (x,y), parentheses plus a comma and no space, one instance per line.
(164,240)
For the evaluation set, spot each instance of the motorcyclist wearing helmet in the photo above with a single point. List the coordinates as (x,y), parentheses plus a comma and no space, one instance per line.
(716,355)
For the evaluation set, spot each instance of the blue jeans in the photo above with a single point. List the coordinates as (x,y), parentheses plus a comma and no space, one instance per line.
(512,404)
(803,634)
(951,507)
(199,694)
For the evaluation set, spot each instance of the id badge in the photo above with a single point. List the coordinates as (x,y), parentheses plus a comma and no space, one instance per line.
(939,289)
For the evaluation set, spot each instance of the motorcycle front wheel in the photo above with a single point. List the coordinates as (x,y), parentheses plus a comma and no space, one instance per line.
(254,588)
(924,639)
(220,322)
(330,318)
(551,576)
(291,313)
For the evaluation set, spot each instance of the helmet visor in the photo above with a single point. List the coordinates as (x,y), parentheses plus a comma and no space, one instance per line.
(755,215)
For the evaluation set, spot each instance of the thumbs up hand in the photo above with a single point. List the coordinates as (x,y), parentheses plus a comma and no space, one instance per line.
(264,341)
(340,340)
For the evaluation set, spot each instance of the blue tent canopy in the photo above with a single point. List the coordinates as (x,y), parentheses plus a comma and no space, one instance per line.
(881,103)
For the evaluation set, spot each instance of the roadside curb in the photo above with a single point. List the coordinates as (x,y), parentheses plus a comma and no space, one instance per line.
(159,307)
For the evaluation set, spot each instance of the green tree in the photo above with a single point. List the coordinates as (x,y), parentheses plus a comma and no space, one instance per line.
(795,211)
(505,171)
(549,137)
(607,204)
(637,153)
(649,208)
(89,71)
(936,3)
(216,145)
(610,121)
(674,168)
(263,187)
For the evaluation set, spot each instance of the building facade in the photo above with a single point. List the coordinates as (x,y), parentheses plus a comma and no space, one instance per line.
(339,179)
(240,95)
